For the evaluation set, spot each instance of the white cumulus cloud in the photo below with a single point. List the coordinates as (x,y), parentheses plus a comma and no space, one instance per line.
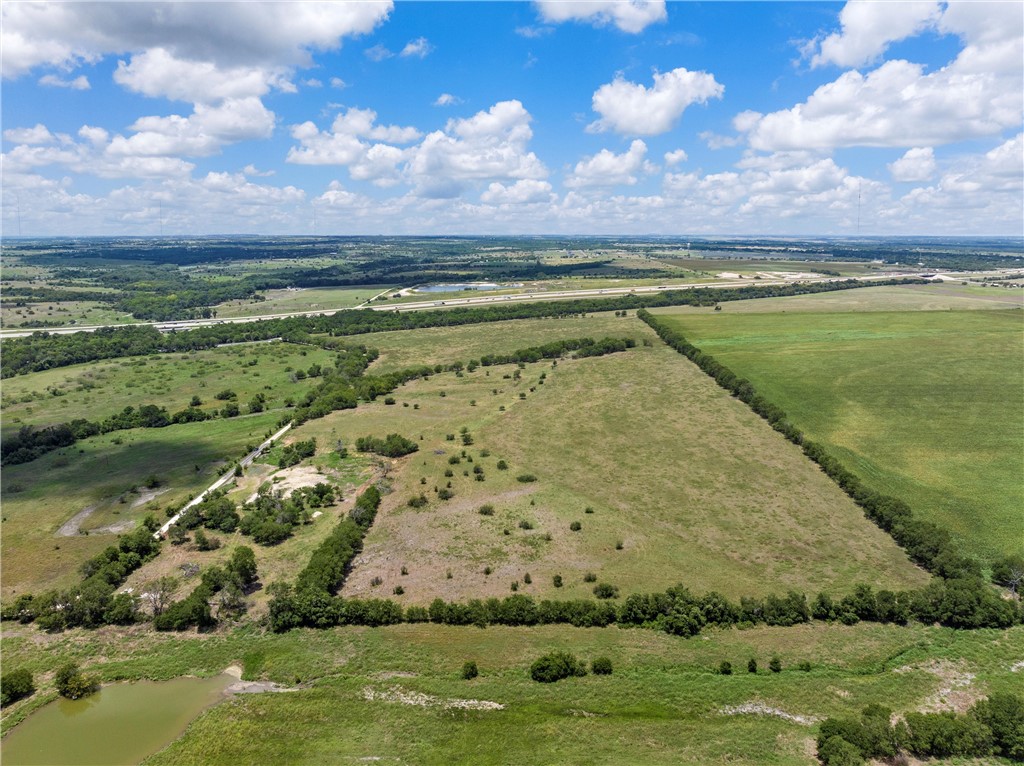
(631,109)
(609,169)
(916,165)
(53,81)
(868,27)
(631,16)
(419,48)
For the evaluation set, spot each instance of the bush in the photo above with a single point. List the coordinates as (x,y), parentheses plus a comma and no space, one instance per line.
(502,465)
(15,685)
(470,670)
(526,478)
(725,668)
(72,683)
(836,751)
(601,666)
(751,665)
(556,666)
(606,590)
(393,445)
(557,581)
(487,510)
(590,577)
(575,526)
(775,665)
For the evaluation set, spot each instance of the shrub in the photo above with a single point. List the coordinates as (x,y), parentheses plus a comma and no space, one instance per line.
(445,494)
(389,400)
(398,590)
(588,509)
(470,670)
(557,581)
(393,445)
(575,526)
(805,666)
(606,590)
(752,665)
(72,683)
(14,685)
(725,668)
(556,666)
(527,579)
(487,510)
(524,524)
(775,665)
(417,502)
(502,465)
(526,478)
(454,460)
(590,577)
(601,666)
(836,751)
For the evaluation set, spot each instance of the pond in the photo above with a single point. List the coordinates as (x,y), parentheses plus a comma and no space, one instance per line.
(454,288)
(120,724)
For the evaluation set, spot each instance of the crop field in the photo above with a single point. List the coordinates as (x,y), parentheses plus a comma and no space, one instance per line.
(922,405)
(307,299)
(688,486)
(444,345)
(98,389)
(105,475)
(381,692)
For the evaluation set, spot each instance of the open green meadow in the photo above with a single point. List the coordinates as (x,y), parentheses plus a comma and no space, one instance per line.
(389,693)
(96,390)
(105,475)
(304,299)
(443,345)
(923,405)
(685,485)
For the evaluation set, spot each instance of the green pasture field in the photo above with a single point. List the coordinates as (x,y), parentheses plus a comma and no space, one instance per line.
(311,299)
(84,313)
(662,704)
(944,296)
(443,345)
(96,390)
(97,473)
(923,405)
(751,266)
(695,487)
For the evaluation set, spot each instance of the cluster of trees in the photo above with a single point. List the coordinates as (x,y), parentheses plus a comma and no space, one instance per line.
(583,347)
(393,445)
(556,666)
(296,452)
(93,602)
(216,512)
(270,518)
(675,610)
(230,580)
(43,351)
(926,543)
(327,568)
(993,726)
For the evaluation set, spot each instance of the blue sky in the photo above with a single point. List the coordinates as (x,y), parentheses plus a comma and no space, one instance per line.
(596,117)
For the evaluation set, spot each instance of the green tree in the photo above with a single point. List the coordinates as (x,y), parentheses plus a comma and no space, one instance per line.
(243,564)
(72,683)
(14,685)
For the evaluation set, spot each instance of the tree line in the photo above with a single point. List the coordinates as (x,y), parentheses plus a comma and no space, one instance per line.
(43,351)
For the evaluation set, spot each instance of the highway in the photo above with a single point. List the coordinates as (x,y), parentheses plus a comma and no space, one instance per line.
(480,300)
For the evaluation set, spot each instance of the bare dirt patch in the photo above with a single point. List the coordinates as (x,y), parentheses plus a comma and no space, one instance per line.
(760,708)
(396,694)
(956,692)
(289,479)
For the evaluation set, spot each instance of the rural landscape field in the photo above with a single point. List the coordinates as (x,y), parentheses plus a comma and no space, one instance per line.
(437,392)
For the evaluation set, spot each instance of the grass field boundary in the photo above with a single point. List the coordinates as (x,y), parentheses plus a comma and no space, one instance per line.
(926,543)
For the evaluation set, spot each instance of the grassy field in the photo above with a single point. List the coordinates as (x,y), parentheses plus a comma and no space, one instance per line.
(311,299)
(443,345)
(695,488)
(106,474)
(98,389)
(923,405)
(62,313)
(663,703)
(933,297)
